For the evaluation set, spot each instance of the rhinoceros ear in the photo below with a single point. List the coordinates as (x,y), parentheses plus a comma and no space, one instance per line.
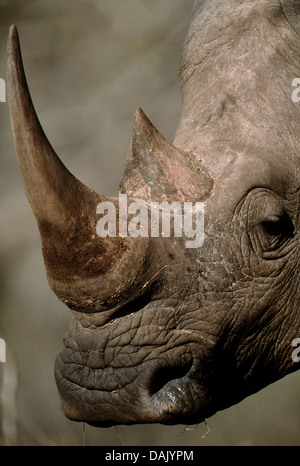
(291,9)
(156,170)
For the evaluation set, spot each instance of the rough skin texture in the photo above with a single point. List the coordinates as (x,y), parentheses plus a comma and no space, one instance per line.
(160,332)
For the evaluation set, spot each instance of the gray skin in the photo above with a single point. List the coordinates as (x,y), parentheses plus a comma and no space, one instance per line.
(159,332)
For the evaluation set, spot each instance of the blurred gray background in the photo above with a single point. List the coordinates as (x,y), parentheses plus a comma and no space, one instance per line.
(89,65)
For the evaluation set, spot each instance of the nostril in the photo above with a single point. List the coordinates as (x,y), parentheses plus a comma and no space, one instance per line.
(166,374)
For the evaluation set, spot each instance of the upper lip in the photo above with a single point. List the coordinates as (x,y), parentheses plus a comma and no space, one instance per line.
(164,392)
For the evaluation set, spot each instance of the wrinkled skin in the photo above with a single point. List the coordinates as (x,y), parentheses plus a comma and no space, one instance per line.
(193,331)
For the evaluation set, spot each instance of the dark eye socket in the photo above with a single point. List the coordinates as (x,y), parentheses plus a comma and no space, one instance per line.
(269,235)
(269,226)
(278,226)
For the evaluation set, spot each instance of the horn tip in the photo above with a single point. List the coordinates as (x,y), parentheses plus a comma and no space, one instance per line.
(13,34)
(140,117)
(13,42)
(13,29)
(142,125)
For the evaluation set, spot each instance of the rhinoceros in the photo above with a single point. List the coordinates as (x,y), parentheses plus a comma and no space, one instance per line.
(161,332)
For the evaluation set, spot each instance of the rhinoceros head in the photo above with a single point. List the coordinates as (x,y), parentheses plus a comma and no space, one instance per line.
(164,330)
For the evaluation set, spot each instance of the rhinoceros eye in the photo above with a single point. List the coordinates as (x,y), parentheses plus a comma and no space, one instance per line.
(272,233)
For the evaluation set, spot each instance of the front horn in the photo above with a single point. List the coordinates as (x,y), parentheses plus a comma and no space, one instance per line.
(87,272)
